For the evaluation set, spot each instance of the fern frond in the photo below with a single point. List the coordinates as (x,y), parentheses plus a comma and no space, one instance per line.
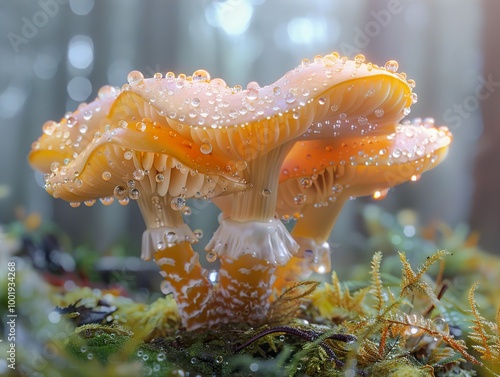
(377,286)
(289,301)
(412,281)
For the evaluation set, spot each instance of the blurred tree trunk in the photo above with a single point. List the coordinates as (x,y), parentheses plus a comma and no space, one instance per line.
(485,212)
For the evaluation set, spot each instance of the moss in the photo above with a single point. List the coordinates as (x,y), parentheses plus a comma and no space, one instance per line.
(407,321)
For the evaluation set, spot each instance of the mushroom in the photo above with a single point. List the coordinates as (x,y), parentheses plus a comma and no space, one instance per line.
(255,129)
(241,137)
(318,176)
(131,158)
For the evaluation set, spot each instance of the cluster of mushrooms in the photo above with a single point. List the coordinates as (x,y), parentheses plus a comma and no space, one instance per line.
(327,131)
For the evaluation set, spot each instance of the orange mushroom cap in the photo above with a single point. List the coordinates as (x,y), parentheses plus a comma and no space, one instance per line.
(105,151)
(318,176)
(245,123)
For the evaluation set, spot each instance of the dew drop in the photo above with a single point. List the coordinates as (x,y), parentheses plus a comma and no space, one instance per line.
(321,100)
(83,128)
(206,148)
(198,233)
(122,123)
(106,176)
(120,192)
(108,200)
(211,256)
(140,126)
(362,120)
(276,90)
(87,114)
(161,357)
(289,98)
(337,188)
(266,193)
(329,60)
(124,201)
(89,203)
(218,82)
(128,155)
(177,203)
(138,174)
(299,199)
(306,182)
(397,153)
(241,165)
(135,77)
(252,94)
(201,75)
(379,195)
(170,238)
(379,113)
(134,194)
(195,101)
(359,59)
(71,121)
(54,167)
(391,66)
(409,132)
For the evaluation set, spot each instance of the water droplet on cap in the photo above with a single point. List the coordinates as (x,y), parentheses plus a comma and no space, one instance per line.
(177,203)
(359,59)
(201,75)
(135,77)
(120,192)
(391,66)
(134,194)
(299,199)
(206,148)
(306,182)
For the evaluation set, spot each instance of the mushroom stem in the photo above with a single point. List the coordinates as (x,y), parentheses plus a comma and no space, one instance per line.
(157,213)
(243,291)
(317,222)
(311,232)
(251,227)
(259,203)
(168,239)
(187,281)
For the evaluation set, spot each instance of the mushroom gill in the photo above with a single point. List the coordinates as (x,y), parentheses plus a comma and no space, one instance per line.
(318,176)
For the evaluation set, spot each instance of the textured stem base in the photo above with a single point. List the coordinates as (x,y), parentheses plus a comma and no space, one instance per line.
(243,292)
(187,281)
